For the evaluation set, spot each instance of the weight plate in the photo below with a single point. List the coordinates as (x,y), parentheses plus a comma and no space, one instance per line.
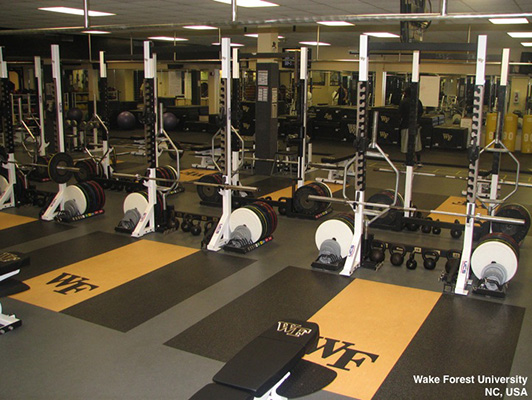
(74,192)
(210,194)
(268,209)
(92,199)
(498,248)
(263,219)
(136,200)
(60,160)
(335,229)
(3,184)
(517,211)
(246,217)
(100,195)
(85,171)
(302,203)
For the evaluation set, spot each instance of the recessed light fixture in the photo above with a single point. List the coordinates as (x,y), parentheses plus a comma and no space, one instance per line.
(335,23)
(500,21)
(96,32)
(315,43)
(521,35)
(526,44)
(256,35)
(76,11)
(381,34)
(232,44)
(250,3)
(168,38)
(200,27)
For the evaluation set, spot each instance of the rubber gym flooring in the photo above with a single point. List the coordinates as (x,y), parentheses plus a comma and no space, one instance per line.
(112,317)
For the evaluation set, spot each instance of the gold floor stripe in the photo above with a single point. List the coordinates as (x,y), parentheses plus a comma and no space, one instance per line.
(72,284)
(364,330)
(10,220)
(458,205)
(193,174)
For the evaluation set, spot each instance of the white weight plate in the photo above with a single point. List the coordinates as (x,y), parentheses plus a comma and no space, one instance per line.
(135,200)
(494,251)
(75,193)
(335,229)
(245,216)
(3,184)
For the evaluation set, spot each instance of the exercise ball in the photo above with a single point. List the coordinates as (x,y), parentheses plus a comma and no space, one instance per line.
(75,114)
(126,120)
(170,121)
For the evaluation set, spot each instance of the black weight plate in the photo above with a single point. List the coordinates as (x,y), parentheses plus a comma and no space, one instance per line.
(270,212)
(517,211)
(263,220)
(302,203)
(85,171)
(92,199)
(100,193)
(385,197)
(60,160)
(210,194)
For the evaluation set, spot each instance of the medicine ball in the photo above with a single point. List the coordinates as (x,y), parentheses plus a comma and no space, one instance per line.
(126,120)
(75,114)
(170,121)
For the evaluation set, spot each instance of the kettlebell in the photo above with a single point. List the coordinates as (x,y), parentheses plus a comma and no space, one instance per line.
(187,224)
(397,255)
(456,233)
(195,229)
(452,256)
(377,251)
(430,258)
(414,226)
(411,263)
(426,228)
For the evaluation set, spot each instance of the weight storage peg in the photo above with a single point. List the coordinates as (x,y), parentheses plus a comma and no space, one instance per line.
(430,258)
(397,253)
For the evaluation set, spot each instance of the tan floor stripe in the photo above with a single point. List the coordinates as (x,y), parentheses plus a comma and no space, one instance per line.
(72,284)
(458,205)
(364,331)
(193,174)
(10,220)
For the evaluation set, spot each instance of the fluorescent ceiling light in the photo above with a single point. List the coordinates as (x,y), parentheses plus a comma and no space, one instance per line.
(526,44)
(381,34)
(256,35)
(232,44)
(200,27)
(168,38)
(96,32)
(335,23)
(76,11)
(250,3)
(500,21)
(315,43)
(525,35)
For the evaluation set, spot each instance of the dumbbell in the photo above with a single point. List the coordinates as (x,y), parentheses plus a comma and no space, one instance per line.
(430,258)
(377,251)
(411,263)
(397,255)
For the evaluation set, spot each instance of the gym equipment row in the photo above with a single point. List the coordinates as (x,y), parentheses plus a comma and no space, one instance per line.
(82,200)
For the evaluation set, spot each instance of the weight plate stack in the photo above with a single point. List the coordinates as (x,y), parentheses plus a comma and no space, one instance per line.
(340,229)
(517,211)
(56,173)
(139,200)
(386,197)
(496,250)
(303,205)
(78,195)
(87,170)
(210,194)
(259,217)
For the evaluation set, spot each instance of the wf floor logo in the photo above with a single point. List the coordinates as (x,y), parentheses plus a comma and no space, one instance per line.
(68,283)
(345,353)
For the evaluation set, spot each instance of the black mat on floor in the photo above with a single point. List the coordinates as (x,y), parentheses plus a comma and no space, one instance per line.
(30,231)
(70,251)
(462,337)
(293,293)
(12,286)
(135,302)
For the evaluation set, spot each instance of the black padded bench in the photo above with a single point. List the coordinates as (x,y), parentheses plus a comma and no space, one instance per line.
(271,364)
(10,265)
